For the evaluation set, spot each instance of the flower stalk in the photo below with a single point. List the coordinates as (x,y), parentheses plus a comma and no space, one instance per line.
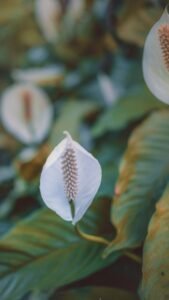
(102,240)
(91,238)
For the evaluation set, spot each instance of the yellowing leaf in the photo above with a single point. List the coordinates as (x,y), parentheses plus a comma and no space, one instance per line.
(10,10)
(155,284)
(143,174)
(136,20)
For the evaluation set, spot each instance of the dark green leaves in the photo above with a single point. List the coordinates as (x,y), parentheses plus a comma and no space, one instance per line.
(143,174)
(44,252)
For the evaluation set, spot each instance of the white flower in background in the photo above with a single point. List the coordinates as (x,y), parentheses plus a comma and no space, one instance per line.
(156,58)
(50,13)
(76,8)
(46,76)
(26,113)
(27,154)
(108,89)
(70,174)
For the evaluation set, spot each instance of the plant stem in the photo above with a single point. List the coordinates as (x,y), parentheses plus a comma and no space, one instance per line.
(101,240)
(91,238)
(133,256)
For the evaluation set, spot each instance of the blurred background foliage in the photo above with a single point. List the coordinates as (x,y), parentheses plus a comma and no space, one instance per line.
(86,57)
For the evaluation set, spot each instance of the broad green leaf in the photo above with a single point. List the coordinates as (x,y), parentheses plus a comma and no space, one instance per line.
(70,118)
(95,293)
(143,174)
(44,252)
(130,108)
(155,284)
(109,151)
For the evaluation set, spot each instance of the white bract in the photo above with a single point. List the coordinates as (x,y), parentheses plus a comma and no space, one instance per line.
(51,12)
(70,174)
(108,89)
(156,58)
(40,76)
(26,112)
(48,14)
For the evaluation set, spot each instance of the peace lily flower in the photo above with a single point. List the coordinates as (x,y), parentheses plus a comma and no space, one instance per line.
(48,16)
(108,89)
(46,76)
(51,12)
(70,175)
(26,113)
(156,58)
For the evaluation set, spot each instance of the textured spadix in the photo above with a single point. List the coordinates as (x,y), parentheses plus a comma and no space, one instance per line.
(70,173)
(156,58)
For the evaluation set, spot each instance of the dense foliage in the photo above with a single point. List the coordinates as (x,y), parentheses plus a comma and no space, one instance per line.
(98,94)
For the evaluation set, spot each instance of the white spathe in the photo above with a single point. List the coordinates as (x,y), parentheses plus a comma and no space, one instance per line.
(108,89)
(49,15)
(40,76)
(155,71)
(13,109)
(52,181)
(76,8)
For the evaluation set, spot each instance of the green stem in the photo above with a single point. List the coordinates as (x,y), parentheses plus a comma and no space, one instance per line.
(91,238)
(133,256)
(101,240)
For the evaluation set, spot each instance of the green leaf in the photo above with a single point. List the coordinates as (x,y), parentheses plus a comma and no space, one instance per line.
(44,252)
(155,284)
(143,175)
(130,108)
(95,293)
(109,151)
(70,118)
